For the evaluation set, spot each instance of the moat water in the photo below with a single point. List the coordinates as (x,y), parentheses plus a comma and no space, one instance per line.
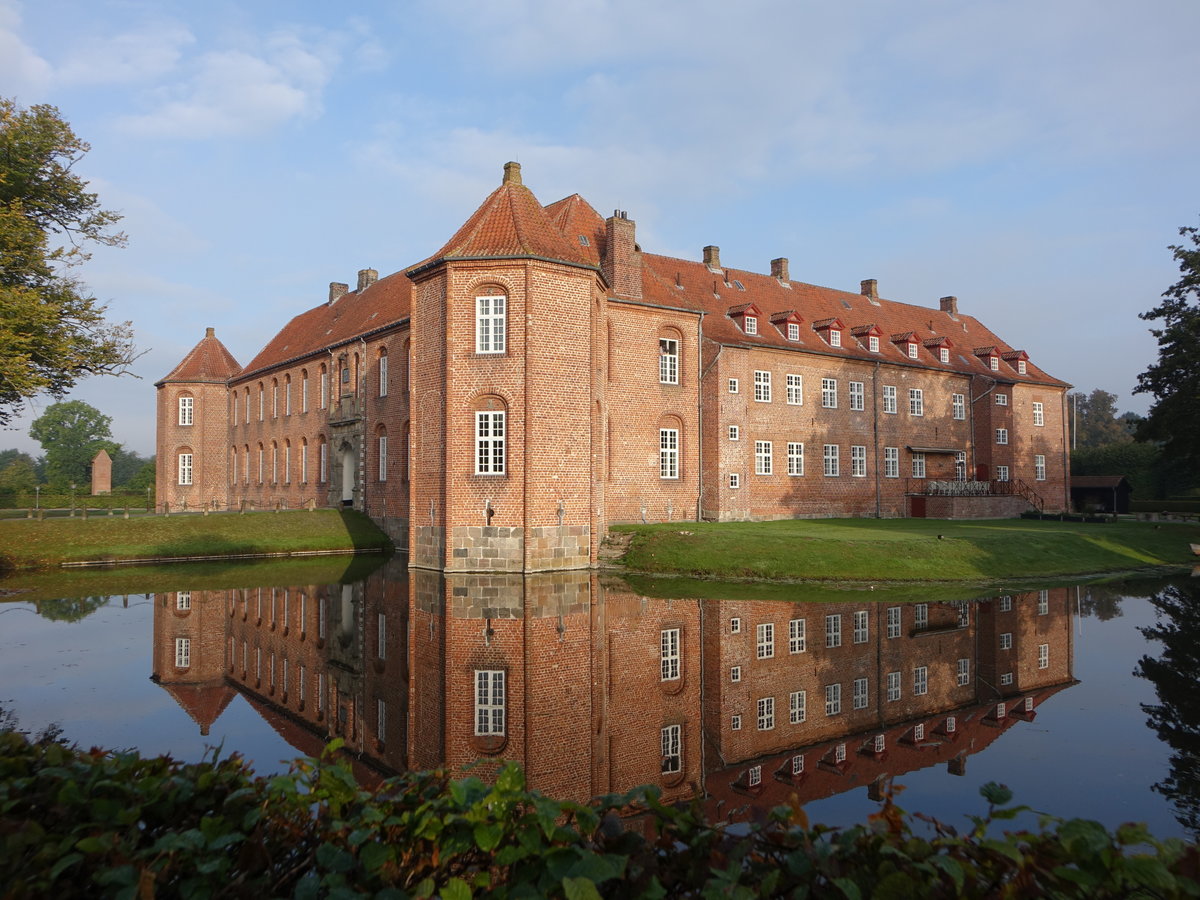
(1082,699)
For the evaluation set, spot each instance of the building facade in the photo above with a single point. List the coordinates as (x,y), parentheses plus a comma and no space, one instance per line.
(496,406)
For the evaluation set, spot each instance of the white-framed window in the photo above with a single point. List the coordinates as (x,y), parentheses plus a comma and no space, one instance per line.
(762,457)
(944,355)
(669,653)
(893,686)
(994,363)
(735,433)
(304,462)
(912,350)
(185,468)
(1002,399)
(829,393)
(668,453)
(861,627)
(831,460)
(262,402)
(668,361)
(797,636)
(921,680)
(274,463)
(1039,414)
(1001,435)
(918,465)
(733,385)
(324,388)
(751,325)
(275,400)
(833,699)
(1039,467)
(1006,640)
(833,630)
(963,673)
(381,636)
(323,462)
(795,390)
(1006,679)
(960,465)
(889,398)
(762,386)
(795,458)
(490,324)
(735,480)
(873,343)
(839,753)
(380,718)
(958,403)
(916,402)
(672,749)
(835,337)
(383,375)
(735,674)
(383,458)
(489,701)
(1043,606)
(754,776)
(765,643)
(1043,656)
(186,406)
(735,625)
(893,622)
(1021,367)
(919,731)
(735,724)
(793,331)
(921,616)
(304,392)
(1002,473)
(891,462)
(489,442)
(766,713)
(858,461)
(183,652)
(1006,603)
(859,693)
(797,707)
(858,395)
(183,600)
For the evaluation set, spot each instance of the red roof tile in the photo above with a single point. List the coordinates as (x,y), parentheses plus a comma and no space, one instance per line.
(575,218)
(207,361)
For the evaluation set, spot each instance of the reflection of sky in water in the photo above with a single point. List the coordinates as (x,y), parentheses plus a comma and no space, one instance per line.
(1088,753)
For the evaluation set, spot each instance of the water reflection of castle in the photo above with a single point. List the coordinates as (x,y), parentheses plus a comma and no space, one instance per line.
(595,689)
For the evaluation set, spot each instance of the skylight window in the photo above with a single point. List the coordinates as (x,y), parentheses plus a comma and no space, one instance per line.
(583,241)
(737,284)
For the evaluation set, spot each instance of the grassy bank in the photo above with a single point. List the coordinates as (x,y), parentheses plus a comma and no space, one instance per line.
(33,544)
(882,550)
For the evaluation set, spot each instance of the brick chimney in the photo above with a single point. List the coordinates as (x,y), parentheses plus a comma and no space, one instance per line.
(869,288)
(779,268)
(512,173)
(949,305)
(712,257)
(366,278)
(622,263)
(336,290)
(210,332)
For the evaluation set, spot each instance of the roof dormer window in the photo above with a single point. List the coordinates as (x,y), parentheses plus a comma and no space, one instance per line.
(873,343)
(793,331)
(944,355)
(912,350)
(1021,367)
(993,364)
(1017,359)
(750,325)
(746,316)
(830,331)
(835,338)
(787,322)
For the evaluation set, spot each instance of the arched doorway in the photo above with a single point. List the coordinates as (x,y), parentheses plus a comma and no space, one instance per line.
(349,462)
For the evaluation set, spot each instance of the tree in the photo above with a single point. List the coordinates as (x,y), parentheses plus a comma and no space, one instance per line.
(71,433)
(52,330)
(1094,420)
(125,465)
(1174,379)
(17,477)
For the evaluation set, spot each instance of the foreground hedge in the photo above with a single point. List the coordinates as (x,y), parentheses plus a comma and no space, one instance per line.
(76,824)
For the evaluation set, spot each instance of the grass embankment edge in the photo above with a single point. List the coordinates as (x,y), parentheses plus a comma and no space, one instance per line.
(905,551)
(36,544)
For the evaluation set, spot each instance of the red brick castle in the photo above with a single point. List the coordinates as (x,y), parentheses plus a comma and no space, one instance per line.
(497,405)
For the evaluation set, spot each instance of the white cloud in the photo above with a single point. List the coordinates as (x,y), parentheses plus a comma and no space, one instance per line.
(138,55)
(237,92)
(23,71)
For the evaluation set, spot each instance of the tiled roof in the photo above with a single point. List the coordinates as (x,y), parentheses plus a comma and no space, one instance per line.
(574,218)
(511,223)
(203,703)
(207,361)
(1097,481)
(379,305)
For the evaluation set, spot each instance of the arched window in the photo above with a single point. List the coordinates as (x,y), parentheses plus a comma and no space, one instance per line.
(274,463)
(491,436)
(274,398)
(246,464)
(383,372)
(187,405)
(287,395)
(322,460)
(287,462)
(381,442)
(233,400)
(247,404)
(184,466)
(491,321)
(669,445)
(233,463)
(304,390)
(324,387)
(262,401)
(261,463)
(304,460)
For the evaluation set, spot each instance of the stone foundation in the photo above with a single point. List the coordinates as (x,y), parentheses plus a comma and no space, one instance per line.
(993,507)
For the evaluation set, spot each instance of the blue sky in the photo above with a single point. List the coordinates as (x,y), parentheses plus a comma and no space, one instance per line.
(1034,159)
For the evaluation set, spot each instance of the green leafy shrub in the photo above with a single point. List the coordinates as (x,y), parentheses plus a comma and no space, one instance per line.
(97,824)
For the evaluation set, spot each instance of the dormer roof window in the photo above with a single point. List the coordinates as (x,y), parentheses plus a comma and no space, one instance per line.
(941,346)
(868,336)
(788,323)
(907,343)
(1018,360)
(989,356)
(746,315)
(830,330)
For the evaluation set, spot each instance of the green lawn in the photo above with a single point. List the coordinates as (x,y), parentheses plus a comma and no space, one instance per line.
(29,543)
(889,550)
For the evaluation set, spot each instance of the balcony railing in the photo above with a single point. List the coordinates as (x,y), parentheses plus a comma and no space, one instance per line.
(932,487)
